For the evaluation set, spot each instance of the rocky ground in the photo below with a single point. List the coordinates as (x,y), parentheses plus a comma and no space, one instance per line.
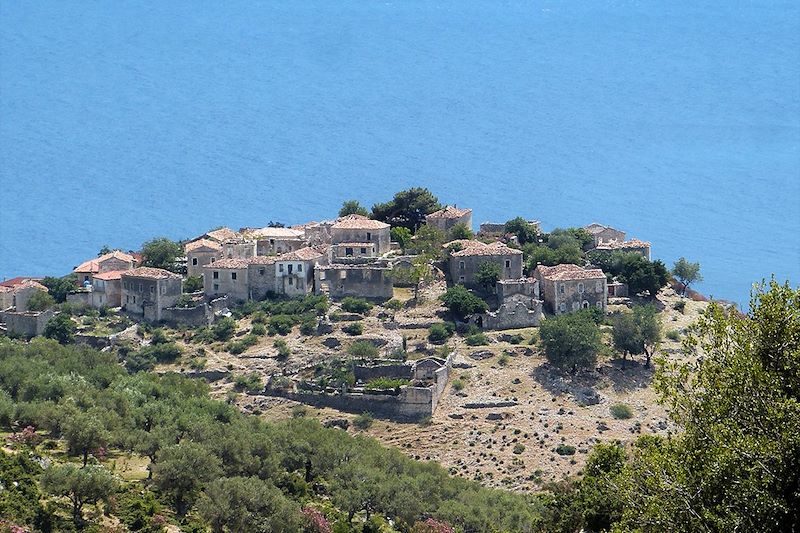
(516,423)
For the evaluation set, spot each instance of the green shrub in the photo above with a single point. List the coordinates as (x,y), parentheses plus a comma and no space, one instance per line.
(439,333)
(516,339)
(355,305)
(385,383)
(363,421)
(235,347)
(356,328)
(258,329)
(163,353)
(565,449)
(283,349)
(280,325)
(674,335)
(461,302)
(680,306)
(458,384)
(224,329)
(503,360)
(479,339)
(620,411)
(259,317)
(308,326)
(299,411)
(159,337)
(363,350)
(394,304)
(193,284)
(197,363)
(251,381)
(519,448)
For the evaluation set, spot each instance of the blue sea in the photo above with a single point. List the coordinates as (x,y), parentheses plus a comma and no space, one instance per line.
(677,121)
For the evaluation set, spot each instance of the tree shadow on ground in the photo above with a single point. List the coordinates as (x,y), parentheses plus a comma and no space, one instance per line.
(580,385)
(634,375)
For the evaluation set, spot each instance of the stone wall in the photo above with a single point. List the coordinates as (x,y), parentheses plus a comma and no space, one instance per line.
(512,314)
(199,315)
(367,373)
(366,282)
(463,268)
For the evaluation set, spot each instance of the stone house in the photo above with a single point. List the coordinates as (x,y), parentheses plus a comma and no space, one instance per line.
(109,262)
(147,291)
(294,272)
(465,263)
(200,253)
(26,323)
(604,234)
(360,229)
(238,249)
(634,245)
(276,241)
(227,277)
(106,289)
(220,235)
(519,306)
(567,288)
(345,251)
(446,218)
(14,293)
(372,281)
(261,277)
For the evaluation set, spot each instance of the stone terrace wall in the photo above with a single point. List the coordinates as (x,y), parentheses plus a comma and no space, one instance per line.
(366,373)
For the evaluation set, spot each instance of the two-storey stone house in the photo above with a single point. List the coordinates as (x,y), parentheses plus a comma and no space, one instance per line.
(446,218)
(465,263)
(567,288)
(147,291)
(354,231)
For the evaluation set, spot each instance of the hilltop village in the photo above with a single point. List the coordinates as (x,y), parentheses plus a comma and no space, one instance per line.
(408,314)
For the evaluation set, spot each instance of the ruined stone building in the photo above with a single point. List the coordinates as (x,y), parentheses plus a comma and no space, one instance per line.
(604,234)
(200,253)
(634,245)
(339,280)
(519,306)
(464,264)
(446,218)
(276,241)
(147,291)
(567,288)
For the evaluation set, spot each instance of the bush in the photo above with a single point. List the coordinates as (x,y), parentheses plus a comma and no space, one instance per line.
(674,335)
(280,325)
(363,421)
(259,317)
(61,328)
(459,384)
(355,305)
(385,383)
(519,448)
(363,349)
(516,339)
(571,341)
(461,302)
(40,300)
(565,449)
(439,333)
(283,349)
(680,306)
(308,326)
(197,363)
(503,360)
(394,304)
(620,411)
(193,284)
(258,329)
(251,381)
(299,411)
(185,301)
(356,328)
(159,337)
(224,329)
(479,339)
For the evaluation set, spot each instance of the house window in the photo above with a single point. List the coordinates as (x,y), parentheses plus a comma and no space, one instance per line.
(598,287)
(576,306)
(141,288)
(280,268)
(290,268)
(369,236)
(508,263)
(585,304)
(461,265)
(134,299)
(127,299)
(561,288)
(152,289)
(299,267)
(363,251)
(261,271)
(580,287)
(599,304)
(461,278)
(85,278)
(216,286)
(562,307)
(164,290)
(216,274)
(348,251)
(213,259)
(272,241)
(233,276)
(290,281)
(194,261)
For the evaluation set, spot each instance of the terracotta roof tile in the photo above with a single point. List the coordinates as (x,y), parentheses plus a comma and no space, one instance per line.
(359,222)
(150,273)
(228,263)
(494,249)
(568,272)
(615,245)
(93,265)
(303,254)
(13,282)
(464,243)
(273,233)
(449,212)
(261,260)
(223,234)
(108,276)
(200,243)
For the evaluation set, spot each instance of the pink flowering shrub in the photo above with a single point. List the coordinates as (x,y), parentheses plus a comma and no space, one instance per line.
(315,521)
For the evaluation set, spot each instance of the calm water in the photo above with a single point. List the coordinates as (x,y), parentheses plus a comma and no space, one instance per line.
(676,121)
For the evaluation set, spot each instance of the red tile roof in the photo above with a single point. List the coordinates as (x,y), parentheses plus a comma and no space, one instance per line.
(93,265)
(449,212)
(222,235)
(108,276)
(200,243)
(228,263)
(569,272)
(359,222)
(261,260)
(494,249)
(150,273)
(273,233)
(464,243)
(13,282)
(303,254)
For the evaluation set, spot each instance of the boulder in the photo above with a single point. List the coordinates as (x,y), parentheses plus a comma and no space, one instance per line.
(480,355)
(332,342)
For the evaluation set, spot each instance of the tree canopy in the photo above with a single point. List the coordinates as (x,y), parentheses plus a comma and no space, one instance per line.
(60,287)
(637,332)
(487,275)
(40,300)
(687,273)
(524,230)
(161,253)
(353,207)
(408,208)
(571,341)
(462,302)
